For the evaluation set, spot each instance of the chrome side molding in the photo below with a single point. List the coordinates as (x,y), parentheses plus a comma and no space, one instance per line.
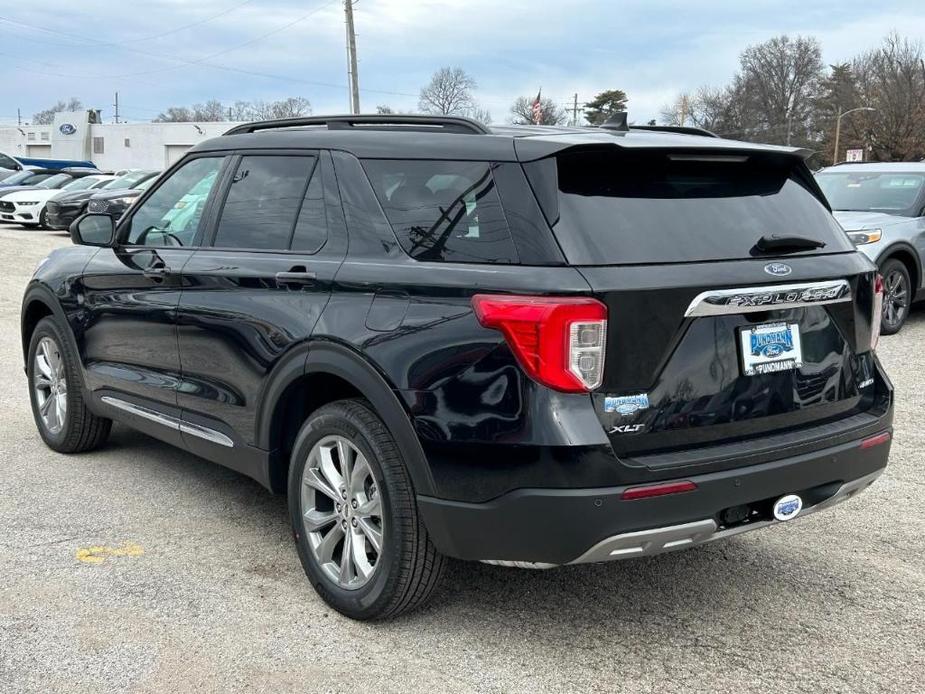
(170,422)
(719,302)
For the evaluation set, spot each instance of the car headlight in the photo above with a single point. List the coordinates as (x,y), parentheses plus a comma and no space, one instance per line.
(861,238)
(27,204)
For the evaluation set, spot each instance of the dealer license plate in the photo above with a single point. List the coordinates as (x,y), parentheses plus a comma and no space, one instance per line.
(770,348)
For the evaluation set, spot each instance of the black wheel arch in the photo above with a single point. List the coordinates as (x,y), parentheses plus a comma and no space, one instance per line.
(40,302)
(340,372)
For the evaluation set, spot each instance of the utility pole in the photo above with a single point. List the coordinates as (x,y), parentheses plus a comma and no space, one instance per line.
(575,111)
(116,106)
(18,117)
(352,58)
(683,109)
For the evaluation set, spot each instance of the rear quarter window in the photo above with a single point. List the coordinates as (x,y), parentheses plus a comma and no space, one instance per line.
(443,210)
(641,208)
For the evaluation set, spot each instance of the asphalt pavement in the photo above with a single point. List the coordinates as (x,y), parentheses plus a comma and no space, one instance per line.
(142,568)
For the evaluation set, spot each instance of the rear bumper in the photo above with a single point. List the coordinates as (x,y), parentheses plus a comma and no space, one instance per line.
(547,527)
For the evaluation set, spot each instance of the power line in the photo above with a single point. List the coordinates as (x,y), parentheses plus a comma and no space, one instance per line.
(197,61)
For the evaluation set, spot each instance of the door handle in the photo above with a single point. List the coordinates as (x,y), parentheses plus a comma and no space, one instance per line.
(156,272)
(296,277)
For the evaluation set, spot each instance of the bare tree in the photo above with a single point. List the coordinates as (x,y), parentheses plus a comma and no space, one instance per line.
(482,115)
(706,108)
(175,114)
(448,93)
(214,110)
(211,111)
(384,110)
(891,79)
(779,82)
(47,116)
(550,113)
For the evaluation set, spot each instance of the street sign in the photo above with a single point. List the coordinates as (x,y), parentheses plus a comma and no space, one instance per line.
(854,155)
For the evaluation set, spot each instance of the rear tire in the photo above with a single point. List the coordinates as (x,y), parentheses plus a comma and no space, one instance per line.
(64,422)
(897,296)
(379,508)
(43,219)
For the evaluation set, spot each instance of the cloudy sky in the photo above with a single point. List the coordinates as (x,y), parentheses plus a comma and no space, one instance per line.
(159,53)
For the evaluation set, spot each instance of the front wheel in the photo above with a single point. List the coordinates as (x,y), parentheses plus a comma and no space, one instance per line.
(354,515)
(61,415)
(897,296)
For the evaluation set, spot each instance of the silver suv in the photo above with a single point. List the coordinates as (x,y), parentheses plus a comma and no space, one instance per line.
(882,207)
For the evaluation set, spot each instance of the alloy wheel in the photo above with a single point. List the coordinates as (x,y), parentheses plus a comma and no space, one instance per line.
(895,298)
(342,512)
(50,384)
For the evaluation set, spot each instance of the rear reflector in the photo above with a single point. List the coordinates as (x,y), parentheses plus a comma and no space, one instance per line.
(559,341)
(876,440)
(877,311)
(658,490)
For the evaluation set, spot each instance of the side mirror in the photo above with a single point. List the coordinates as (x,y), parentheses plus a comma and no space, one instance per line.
(93,230)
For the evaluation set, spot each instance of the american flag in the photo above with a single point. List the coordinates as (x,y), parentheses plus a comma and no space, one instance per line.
(538,108)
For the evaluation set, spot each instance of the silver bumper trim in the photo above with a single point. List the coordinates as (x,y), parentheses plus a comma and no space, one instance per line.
(644,543)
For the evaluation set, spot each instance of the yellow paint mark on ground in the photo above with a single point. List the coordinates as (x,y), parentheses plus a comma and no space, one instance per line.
(97,554)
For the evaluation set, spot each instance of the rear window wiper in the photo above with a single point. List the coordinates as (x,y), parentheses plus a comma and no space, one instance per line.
(773,242)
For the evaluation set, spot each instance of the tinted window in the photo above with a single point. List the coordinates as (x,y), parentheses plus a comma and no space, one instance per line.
(7,162)
(172,215)
(311,229)
(443,210)
(653,208)
(872,191)
(263,202)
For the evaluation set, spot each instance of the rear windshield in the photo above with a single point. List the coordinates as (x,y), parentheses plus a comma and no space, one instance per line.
(627,208)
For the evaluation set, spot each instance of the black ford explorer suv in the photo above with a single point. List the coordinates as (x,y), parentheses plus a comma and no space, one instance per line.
(527,346)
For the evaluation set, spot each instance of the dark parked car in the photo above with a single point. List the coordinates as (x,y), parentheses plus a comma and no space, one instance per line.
(64,209)
(40,179)
(528,346)
(116,202)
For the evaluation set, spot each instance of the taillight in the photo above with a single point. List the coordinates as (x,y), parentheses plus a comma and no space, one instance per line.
(877,311)
(559,341)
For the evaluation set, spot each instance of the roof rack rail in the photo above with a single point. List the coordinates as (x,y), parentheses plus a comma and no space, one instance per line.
(446,124)
(679,129)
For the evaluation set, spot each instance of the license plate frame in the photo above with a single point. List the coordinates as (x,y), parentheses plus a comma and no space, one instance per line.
(770,348)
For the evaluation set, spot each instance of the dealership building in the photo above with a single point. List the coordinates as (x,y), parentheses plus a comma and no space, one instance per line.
(111,146)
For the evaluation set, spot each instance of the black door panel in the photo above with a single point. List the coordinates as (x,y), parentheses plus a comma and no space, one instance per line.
(130,297)
(242,310)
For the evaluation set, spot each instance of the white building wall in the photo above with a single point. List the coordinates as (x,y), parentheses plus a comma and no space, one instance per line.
(16,141)
(147,145)
(123,145)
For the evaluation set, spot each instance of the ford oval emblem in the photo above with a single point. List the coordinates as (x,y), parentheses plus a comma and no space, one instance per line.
(67,129)
(787,507)
(778,269)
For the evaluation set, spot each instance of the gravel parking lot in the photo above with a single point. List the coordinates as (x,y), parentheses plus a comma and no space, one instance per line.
(143,568)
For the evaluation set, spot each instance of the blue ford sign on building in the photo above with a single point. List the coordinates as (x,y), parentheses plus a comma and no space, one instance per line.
(67,129)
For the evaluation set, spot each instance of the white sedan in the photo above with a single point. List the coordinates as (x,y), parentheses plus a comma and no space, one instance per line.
(27,207)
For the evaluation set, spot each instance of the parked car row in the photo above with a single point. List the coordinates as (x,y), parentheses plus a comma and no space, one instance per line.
(53,198)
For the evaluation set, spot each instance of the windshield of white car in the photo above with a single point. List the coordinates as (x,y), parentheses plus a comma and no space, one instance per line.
(55,181)
(872,191)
